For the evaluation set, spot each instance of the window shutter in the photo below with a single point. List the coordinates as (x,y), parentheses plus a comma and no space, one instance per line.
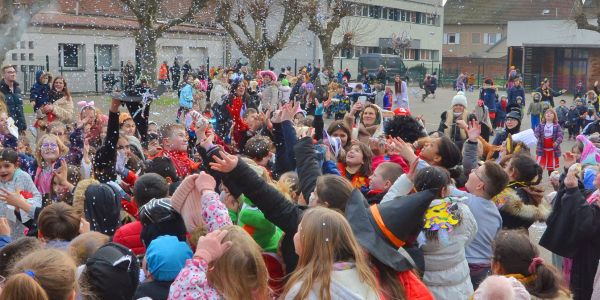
(498,37)
(445,41)
(486,38)
(458,38)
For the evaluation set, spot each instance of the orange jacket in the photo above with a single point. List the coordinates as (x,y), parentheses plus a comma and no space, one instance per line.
(163,73)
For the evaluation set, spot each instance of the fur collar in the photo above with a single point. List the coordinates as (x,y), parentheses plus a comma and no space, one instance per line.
(510,202)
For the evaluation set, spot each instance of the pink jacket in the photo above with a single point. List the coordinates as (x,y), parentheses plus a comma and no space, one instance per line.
(377,160)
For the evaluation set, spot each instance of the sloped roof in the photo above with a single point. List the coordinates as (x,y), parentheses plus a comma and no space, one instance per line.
(493,12)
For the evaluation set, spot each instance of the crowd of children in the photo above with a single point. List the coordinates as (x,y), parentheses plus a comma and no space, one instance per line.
(248,195)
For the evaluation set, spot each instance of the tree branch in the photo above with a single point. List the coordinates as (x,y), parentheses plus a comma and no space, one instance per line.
(195,7)
(581,19)
(134,8)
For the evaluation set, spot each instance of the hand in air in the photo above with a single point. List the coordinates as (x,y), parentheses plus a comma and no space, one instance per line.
(225,164)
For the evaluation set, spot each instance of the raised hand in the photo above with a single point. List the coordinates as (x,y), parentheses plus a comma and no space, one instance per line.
(571,180)
(211,246)
(405,150)
(225,164)
(474,131)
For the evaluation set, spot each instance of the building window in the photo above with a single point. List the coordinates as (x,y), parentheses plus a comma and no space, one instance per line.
(491,38)
(71,56)
(23,57)
(393,14)
(410,54)
(375,12)
(31,57)
(365,11)
(15,56)
(413,17)
(30,44)
(22,45)
(452,38)
(425,54)
(431,19)
(403,15)
(475,38)
(107,56)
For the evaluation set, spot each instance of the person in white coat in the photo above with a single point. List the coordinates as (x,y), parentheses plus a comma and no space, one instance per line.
(270,93)
(400,93)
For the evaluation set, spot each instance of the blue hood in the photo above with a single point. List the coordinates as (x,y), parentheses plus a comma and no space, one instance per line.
(38,74)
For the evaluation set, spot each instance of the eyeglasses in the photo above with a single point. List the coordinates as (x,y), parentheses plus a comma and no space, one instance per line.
(121,147)
(49,146)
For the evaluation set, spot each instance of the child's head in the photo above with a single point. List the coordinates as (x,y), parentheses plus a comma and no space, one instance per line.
(164,167)
(497,288)
(258,148)
(126,124)
(325,237)
(49,148)
(153,144)
(405,127)
(152,127)
(149,186)
(338,129)
(550,116)
(8,164)
(59,129)
(441,152)
(515,254)
(59,190)
(165,257)
(174,137)
(58,221)
(562,102)
(523,168)
(384,176)
(84,245)
(251,118)
(241,270)
(536,96)
(361,155)
(388,89)
(289,184)
(43,274)
(487,180)
(14,251)
(433,178)
(4,123)
(331,191)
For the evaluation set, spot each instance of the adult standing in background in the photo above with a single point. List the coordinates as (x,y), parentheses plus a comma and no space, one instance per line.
(13,97)
(400,93)
(128,73)
(514,92)
(382,75)
(175,74)
(548,93)
(187,67)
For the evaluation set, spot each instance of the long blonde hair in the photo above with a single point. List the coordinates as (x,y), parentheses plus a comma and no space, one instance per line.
(241,270)
(326,238)
(62,149)
(43,274)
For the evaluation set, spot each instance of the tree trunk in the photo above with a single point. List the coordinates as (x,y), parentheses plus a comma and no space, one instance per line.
(257,60)
(145,41)
(328,51)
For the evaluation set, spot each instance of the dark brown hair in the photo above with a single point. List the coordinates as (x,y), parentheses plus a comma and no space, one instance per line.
(495,178)
(515,253)
(59,221)
(366,168)
(527,170)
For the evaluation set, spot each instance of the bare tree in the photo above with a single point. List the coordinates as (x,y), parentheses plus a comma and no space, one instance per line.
(14,20)
(247,23)
(147,13)
(580,17)
(324,17)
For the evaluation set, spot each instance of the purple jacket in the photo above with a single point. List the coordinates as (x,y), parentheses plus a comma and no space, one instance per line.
(557,136)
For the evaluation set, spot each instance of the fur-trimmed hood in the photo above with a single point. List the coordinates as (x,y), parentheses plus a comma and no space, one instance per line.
(510,201)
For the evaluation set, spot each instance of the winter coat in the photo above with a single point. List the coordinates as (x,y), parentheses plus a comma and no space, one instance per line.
(186,96)
(557,136)
(62,108)
(489,97)
(275,207)
(446,268)
(128,235)
(163,73)
(284,93)
(270,96)
(39,92)
(562,112)
(345,285)
(535,108)
(284,139)
(517,207)
(451,129)
(106,155)
(323,79)
(513,93)
(483,116)
(573,231)
(14,103)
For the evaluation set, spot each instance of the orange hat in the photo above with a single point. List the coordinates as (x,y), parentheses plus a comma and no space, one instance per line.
(124,117)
